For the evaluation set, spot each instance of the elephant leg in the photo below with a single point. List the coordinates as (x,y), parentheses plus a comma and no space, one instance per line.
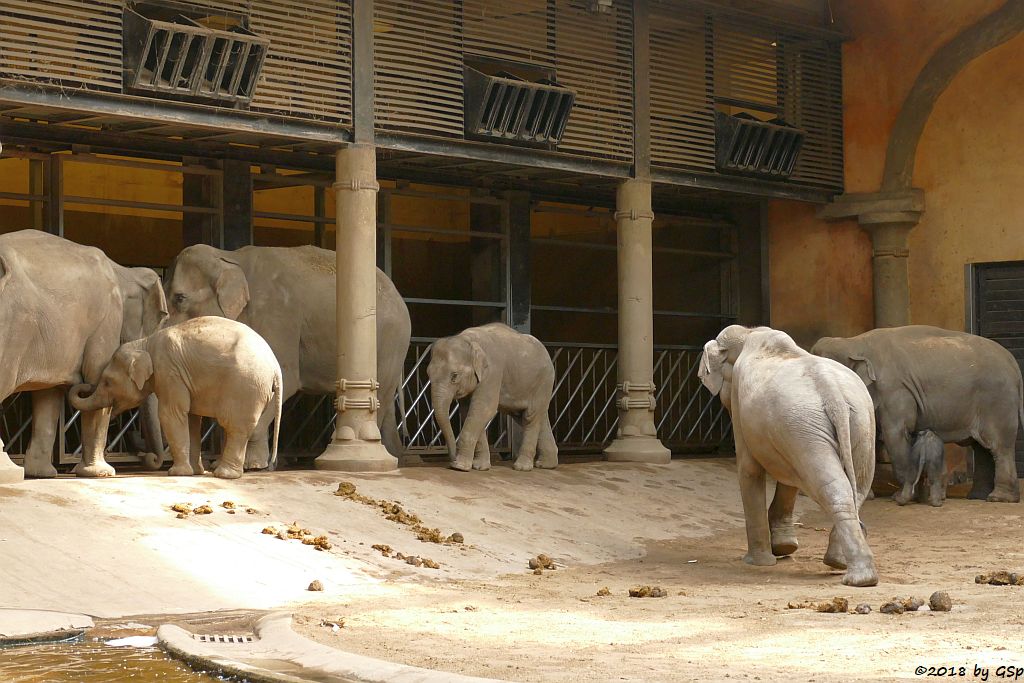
(984,473)
(257,450)
(751,476)
(482,455)
(897,443)
(174,421)
(780,520)
(94,442)
(547,447)
(195,443)
(532,421)
(847,548)
(231,461)
(1007,488)
(46,405)
(482,407)
(936,470)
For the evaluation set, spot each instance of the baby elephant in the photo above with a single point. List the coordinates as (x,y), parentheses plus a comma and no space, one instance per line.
(204,367)
(928,456)
(504,370)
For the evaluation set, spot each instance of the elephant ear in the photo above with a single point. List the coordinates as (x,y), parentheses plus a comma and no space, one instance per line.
(140,368)
(710,370)
(232,289)
(155,305)
(864,369)
(479,361)
(5,273)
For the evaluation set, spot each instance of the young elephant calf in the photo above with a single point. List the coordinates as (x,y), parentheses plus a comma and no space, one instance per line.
(204,367)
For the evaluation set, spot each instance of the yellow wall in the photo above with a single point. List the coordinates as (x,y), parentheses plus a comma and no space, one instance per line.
(967,164)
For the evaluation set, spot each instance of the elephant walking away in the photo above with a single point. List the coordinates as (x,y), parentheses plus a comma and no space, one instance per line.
(809,423)
(928,456)
(64,309)
(287,295)
(206,367)
(964,388)
(505,371)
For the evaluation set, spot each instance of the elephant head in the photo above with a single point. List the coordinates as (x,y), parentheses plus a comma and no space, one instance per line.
(124,383)
(457,365)
(205,281)
(720,354)
(851,353)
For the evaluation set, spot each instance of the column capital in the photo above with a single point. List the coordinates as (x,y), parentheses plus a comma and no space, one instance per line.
(877,208)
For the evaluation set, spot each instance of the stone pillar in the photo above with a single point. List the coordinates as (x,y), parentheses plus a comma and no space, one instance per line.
(636,440)
(356,445)
(9,472)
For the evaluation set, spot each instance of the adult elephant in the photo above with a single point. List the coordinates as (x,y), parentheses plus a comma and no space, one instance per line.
(64,310)
(964,388)
(288,295)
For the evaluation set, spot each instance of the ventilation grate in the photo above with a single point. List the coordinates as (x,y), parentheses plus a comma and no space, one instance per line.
(172,53)
(744,144)
(234,640)
(505,107)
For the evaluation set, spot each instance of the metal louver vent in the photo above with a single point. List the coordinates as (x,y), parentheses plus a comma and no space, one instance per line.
(744,144)
(505,107)
(178,52)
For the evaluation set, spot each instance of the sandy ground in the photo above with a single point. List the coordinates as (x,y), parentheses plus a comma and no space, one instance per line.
(113,549)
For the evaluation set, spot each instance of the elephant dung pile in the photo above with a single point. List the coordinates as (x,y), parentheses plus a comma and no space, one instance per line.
(647,592)
(396,513)
(294,531)
(1001,578)
(186,509)
(541,562)
(414,560)
(834,606)
(901,605)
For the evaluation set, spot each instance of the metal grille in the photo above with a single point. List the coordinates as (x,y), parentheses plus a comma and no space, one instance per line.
(999,315)
(703,61)
(420,51)
(77,43)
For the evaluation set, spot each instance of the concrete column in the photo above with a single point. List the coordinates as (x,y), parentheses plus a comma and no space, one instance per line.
(356,445)
(889,254)
(636,440)
(9,472)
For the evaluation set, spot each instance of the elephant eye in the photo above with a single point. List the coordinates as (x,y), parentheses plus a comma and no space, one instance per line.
(179,298)
(455,377)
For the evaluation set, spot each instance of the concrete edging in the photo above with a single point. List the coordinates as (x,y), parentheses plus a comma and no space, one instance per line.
(297,659)
(31,627)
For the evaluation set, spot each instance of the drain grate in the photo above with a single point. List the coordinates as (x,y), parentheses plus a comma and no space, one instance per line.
(235,640)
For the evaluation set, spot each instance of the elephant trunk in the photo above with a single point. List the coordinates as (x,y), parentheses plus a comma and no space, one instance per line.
(151,425)
(88,402)
(442,403)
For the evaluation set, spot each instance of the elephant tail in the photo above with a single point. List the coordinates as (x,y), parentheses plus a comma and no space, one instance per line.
(1020,404)
(278,402)
(400,418)
(838,412)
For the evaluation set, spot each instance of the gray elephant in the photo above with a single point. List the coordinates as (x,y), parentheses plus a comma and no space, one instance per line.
(809,423)
(206,367)
(64,309)
(928,457)
(503,370)
(964,388)
(288,294)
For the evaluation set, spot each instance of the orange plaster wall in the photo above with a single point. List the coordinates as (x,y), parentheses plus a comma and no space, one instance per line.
(820,274)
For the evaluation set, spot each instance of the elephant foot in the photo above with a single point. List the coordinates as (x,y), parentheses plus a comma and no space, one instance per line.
(902,497)
(760,559)
(784,543)
(523,464)
(936,497)
(224,472)
(546,464)
(860,576)
(39,470)
(834,559)
(180,471)
(257,455)
(1000,495)
(481,466)
(96,470)
(460,466)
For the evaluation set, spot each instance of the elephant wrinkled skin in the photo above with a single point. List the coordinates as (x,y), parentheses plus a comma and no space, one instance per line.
(503,370)
(809,423)
(287,295)
(64,309)
(206,367)
(964,388)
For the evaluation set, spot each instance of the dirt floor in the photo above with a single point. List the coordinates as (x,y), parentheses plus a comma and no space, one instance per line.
(720,618)
(114,548)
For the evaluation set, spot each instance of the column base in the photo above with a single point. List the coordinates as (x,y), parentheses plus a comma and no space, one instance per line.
(647,449)
(9,472)
(355,455)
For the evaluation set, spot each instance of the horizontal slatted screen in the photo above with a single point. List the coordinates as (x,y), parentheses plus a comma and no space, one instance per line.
(420,49)
(703,61)
(77,43)
(999,314)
